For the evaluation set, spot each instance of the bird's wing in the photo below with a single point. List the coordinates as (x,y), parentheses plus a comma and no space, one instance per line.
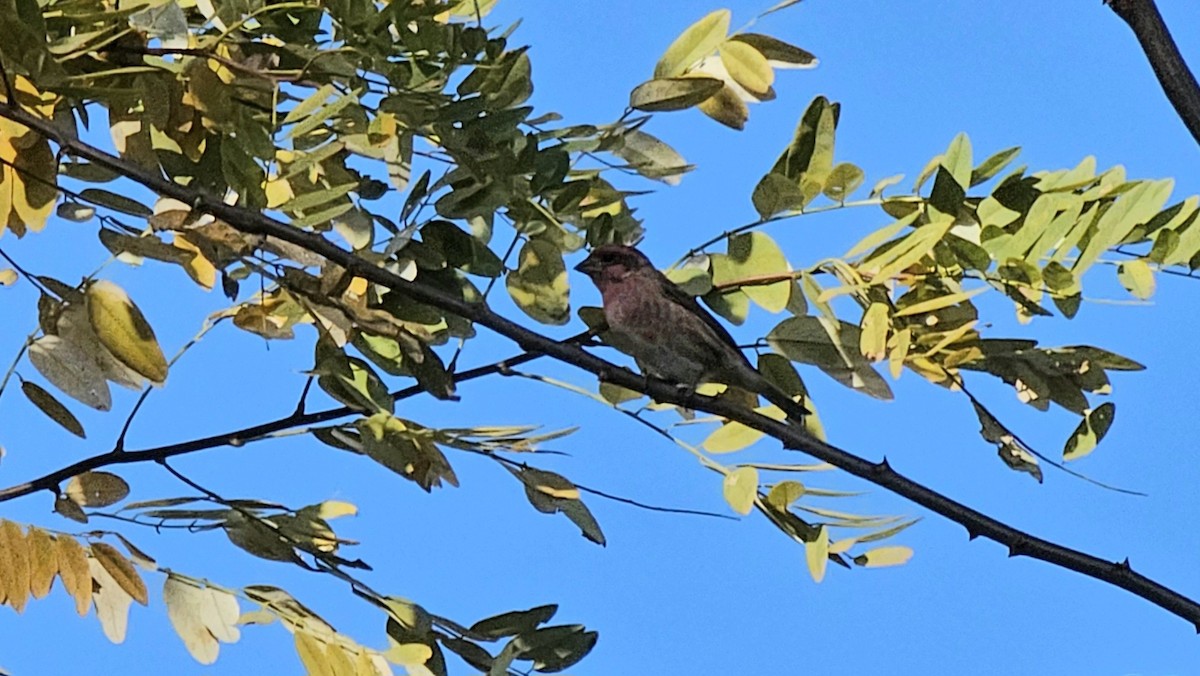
(678,295)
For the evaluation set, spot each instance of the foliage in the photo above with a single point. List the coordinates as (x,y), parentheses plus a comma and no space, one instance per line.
(325,114)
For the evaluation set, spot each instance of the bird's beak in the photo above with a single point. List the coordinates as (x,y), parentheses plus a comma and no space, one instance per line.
(589,266)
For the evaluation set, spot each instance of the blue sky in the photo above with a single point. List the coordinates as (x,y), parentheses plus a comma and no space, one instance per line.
(673,594)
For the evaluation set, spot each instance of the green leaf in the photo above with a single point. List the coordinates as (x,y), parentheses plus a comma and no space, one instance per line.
(754,255)
(727,108)
(96,489)
(73,211)
(696,42)
(406,449)
(776,194)
(539,284)
(957,160)
(1091,430)
(115,202)
(552,493)
(310,104)
(146,247)
(784,493)
(651,157)
(513,623)
(732,304)
(811,150)
(1131,209)
(462,250)
(778,53)
(842,181)
(351,380)
(831,346)
(553,649)
(53,408)
(124,331)
(884,234)
(883,184)
(324,111)
(993,165)
(1019,459)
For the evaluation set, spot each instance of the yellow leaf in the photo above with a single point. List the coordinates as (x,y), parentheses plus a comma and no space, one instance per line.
(121,571)
(900,344)
(843,545)
(748,67)
(409,653)
(43,562)
(34,190)
(199,268)
(74,573)
(872,342)
(312,655)
(816,553)
(74,327)
(14,562)
(122,328)
(741,488)
(884,556)
(730,437)
(539,284)
(8,277)
(332,509)
(939,302)
(1137,277)
(696,42)
(278,192)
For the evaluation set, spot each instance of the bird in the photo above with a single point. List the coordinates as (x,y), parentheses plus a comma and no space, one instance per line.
(667,332)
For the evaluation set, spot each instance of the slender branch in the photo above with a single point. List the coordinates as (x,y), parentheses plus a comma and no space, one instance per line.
(236,438)
(880,473)
(1172,71)
(654,508)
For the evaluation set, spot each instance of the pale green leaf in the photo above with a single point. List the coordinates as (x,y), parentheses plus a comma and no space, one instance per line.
(748,67)
(1137,277)
(816,554)
(880,557)
(696,42)
(740,488)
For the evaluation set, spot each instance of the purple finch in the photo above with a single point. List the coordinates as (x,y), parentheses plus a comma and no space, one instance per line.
(667,332)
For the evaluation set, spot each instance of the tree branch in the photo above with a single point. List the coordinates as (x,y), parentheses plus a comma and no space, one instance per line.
(237,438)
(976,523)
(1168,64)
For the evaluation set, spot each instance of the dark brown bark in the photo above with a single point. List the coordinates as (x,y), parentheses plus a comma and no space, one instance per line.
(1168,64)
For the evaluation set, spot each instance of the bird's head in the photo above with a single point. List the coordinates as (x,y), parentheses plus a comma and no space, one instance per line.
(613,263)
